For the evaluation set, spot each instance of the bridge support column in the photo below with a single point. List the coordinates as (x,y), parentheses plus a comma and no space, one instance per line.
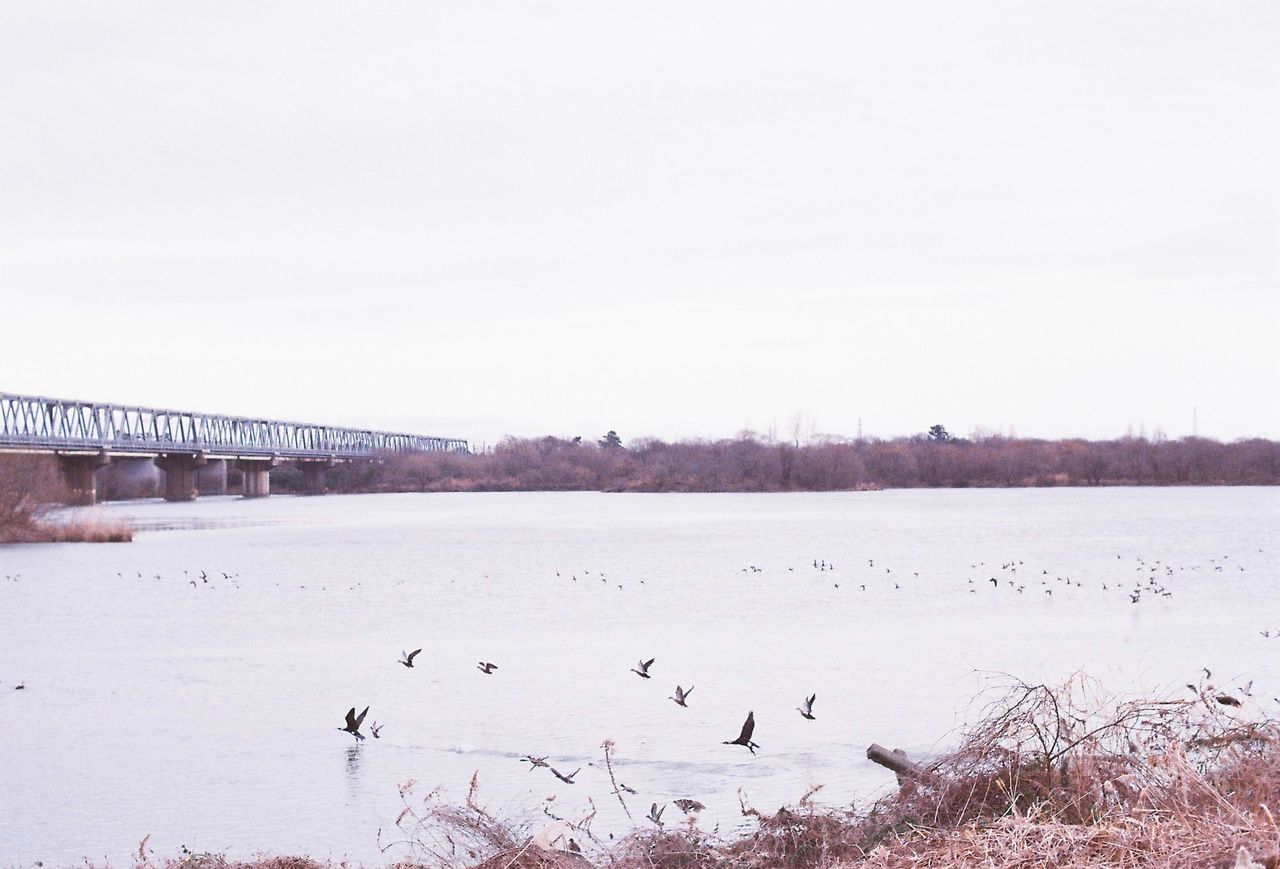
(257,476)
(79,470)
(130,477)
(313,476)
(212,478)
(180,474)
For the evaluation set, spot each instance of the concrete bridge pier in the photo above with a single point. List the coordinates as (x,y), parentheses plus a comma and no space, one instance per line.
(257,476)
(212,478)
(313,476)
(80,471)
(180,471)
(130,477)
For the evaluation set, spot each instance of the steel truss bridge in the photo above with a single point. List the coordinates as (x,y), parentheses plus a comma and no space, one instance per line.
(100,431)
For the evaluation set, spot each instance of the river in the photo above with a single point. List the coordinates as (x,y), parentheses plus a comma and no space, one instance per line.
(206,713)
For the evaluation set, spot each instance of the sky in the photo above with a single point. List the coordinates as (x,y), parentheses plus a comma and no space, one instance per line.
(668,219)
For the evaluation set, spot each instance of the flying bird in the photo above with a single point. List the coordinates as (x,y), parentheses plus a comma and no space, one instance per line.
(375,728)
(567,779)
(534,762)
(1227,700)
(486,668)
(655,814)
(681,696)
(406,658)
(688,806)
(643,672)
(807,709)
(354,721)
(744,738)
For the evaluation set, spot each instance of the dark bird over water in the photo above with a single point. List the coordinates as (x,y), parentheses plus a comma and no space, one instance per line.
(406,658)
(534,762)
(375,728)
(354,721)
(688,806)
(486,668)
(643,672)
(1227,700)
(681,695)
(655,814)
(744,738)
(567,779)
(807,709)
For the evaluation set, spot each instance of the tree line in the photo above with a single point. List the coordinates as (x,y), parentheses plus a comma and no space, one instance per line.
(750,463)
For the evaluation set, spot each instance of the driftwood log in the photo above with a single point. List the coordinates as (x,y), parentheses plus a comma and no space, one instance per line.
(897,761)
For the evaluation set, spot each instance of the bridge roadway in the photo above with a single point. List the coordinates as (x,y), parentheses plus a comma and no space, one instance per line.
(87,436)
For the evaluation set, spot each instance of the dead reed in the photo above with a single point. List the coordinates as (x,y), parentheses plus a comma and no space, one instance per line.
(1073,777)
(1063,776)
(84,529)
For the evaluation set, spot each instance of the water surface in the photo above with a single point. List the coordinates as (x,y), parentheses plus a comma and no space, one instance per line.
(206,715)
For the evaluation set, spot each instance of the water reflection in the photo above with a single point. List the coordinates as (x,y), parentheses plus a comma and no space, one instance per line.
(353,769)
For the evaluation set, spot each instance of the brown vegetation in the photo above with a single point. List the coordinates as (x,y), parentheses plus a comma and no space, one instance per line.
(30,487)
(751,464)
(1047,777)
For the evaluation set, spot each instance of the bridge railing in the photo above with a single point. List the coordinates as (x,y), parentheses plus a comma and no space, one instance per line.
(33,422)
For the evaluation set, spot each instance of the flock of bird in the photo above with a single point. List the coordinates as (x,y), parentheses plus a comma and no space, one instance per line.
(1148,579)
(353,722)
(1152,579)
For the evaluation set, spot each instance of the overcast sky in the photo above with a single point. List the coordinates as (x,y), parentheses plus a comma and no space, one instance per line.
(672,219)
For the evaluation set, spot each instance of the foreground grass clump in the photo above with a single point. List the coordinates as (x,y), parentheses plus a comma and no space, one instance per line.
(1060,777)
(80,529)
(1045,777)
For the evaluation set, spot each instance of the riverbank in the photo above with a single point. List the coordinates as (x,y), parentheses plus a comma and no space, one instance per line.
(31,488)
(752,464)
(748,463)
(1050,777)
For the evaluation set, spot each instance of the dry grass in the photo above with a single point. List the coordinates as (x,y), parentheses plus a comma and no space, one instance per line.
(79,529)
(89,529)
(1063,776)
